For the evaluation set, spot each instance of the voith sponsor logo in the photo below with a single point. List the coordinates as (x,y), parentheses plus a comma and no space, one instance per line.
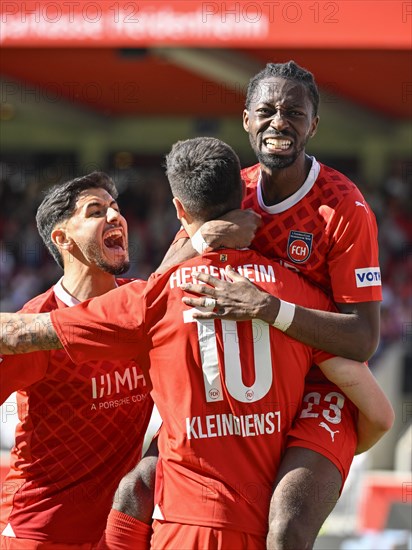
(368,276)
(299,246)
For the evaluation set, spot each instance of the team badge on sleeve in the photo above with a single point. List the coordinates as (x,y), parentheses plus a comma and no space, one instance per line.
(299,246)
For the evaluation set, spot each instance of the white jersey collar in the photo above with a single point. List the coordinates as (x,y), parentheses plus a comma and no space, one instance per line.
(293,199)
(62,294)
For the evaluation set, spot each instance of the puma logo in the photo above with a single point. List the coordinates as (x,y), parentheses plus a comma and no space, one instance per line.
(332,433)
(358,203)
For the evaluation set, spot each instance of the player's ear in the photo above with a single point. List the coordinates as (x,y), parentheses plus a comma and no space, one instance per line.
(246,120)
(314,126)
(180,211)
(61,239)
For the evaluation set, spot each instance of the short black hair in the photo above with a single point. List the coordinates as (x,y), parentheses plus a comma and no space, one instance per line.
(204,173)
(289,71)
(59,204)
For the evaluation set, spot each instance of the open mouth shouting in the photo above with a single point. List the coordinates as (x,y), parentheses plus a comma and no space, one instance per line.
(114,240)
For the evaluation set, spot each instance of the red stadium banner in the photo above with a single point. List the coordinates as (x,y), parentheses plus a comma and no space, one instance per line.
(384,24)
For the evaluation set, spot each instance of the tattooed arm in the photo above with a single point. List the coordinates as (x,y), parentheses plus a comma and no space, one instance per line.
(27,332)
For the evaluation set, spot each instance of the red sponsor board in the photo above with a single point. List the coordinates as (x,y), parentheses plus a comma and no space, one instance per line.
(314,24)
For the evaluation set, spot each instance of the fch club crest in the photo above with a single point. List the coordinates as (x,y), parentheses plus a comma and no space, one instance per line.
(299,246)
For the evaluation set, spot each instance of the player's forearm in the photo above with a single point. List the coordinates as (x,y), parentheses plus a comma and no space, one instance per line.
(24,333)
(376,415)
(179,252)
(336,333)
(236,229)
(368,434)
(350,333)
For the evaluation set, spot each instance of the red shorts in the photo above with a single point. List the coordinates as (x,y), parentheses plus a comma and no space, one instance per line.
(11,543)
(327,425)
(178,536)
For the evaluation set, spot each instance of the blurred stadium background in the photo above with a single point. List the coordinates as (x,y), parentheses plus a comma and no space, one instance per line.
(112,85)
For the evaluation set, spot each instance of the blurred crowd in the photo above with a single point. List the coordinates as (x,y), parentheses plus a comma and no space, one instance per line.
(26,268)
(392,205)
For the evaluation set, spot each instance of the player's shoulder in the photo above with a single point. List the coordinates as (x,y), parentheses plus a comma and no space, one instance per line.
(42,303)
(334,185)
(271,275)
(250,175)
(127,293)
(124,281)
(297,288)
(341,195)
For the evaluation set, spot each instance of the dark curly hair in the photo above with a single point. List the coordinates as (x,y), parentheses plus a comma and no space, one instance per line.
(289,71)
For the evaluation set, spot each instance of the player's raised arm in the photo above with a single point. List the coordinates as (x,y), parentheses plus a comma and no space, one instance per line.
(98,328)
(239,299)
(376,415)
(235,229)
(27,332)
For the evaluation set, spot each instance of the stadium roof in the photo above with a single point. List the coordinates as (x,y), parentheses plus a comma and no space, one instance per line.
(155,58)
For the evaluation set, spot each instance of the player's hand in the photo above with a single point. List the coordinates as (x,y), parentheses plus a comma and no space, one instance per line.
(236,229)
(237,298)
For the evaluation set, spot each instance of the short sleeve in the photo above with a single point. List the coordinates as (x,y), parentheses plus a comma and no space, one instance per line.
(107,327)
(353,258)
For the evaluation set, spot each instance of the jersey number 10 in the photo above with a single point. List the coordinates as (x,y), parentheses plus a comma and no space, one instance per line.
(231,353)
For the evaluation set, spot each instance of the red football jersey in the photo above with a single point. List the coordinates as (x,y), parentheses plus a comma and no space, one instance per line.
(227,392)
(325,230)
(81,430)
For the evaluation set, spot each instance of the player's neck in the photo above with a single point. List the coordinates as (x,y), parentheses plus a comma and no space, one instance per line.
(278,185)
(192,226)
(87,283)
